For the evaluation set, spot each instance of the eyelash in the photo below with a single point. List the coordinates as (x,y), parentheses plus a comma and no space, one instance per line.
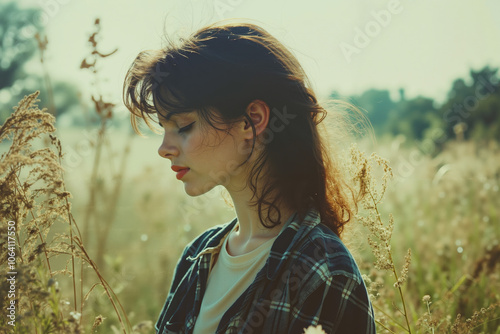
(186,128)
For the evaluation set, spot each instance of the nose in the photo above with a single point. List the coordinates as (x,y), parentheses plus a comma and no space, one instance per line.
(167,149)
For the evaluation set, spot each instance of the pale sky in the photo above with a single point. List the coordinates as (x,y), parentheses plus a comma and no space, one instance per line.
(421,46)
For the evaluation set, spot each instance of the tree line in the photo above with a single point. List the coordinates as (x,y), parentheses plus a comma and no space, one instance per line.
(471,110)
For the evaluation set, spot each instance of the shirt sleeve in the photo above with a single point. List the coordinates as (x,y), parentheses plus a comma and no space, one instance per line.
(182,266)
(179,272)
(339,304)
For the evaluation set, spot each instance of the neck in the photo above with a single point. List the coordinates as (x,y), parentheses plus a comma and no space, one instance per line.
(251,231)
(250,226)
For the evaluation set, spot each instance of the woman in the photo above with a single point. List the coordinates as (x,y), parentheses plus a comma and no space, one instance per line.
(237,111)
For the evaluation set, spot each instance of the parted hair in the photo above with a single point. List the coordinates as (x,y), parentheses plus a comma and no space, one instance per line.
(217,72)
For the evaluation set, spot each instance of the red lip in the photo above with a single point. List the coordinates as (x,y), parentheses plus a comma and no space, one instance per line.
(178,168)
(181,173)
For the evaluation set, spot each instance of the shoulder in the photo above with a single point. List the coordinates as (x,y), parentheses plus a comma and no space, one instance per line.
(326,256)
(319,265)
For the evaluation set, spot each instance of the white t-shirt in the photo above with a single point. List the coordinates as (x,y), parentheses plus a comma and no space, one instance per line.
(229,278)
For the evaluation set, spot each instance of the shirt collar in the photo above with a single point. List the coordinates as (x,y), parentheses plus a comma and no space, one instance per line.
(294,231)
(214,244)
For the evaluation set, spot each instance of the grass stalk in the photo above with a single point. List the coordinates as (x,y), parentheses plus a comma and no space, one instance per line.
(25,199)
(393,267)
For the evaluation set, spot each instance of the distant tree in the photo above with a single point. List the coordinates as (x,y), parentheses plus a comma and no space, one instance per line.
(378,105)
(18,45)
(335,95)
(489,125)
(473,108)
(414,117)
(410,118)
(471,111)
(65,93)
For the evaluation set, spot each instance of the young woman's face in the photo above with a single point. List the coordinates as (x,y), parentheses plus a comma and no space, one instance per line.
(210,155)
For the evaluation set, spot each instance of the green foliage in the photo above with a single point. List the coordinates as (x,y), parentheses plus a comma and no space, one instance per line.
(18,45)
(470,111)
(16,48)
(473,109)
(379,106)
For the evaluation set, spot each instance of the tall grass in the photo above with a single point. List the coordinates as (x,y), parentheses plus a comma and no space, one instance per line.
(35,199)
(445,211)
(431,259)
(103,198)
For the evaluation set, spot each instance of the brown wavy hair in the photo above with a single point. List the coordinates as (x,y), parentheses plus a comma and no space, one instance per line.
(217,72)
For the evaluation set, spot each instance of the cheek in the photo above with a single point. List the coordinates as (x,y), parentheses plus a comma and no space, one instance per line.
(195,144)
(202,142)
(211,148)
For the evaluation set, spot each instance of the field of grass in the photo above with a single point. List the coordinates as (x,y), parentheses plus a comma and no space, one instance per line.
(445,206)
(445,209)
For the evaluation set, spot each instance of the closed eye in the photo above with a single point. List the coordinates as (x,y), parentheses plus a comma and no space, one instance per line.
(186,128)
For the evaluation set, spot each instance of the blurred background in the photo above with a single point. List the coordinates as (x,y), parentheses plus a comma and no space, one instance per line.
(425,74)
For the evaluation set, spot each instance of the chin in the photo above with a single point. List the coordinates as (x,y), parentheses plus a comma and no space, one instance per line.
(197,190)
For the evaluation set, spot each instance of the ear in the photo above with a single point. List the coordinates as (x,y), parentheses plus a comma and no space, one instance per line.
(258,112)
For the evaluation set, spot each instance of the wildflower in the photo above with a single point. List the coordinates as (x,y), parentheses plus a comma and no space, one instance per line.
(75,315)
(97,321)
(314,330)
(426,298)
(369,197)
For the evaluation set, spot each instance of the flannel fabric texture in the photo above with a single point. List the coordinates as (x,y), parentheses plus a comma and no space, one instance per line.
(309,278)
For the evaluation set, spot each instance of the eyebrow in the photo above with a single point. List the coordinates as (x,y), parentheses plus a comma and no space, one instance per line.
(171,115)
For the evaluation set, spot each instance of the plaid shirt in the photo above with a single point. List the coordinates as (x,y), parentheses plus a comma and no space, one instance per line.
(310,278)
